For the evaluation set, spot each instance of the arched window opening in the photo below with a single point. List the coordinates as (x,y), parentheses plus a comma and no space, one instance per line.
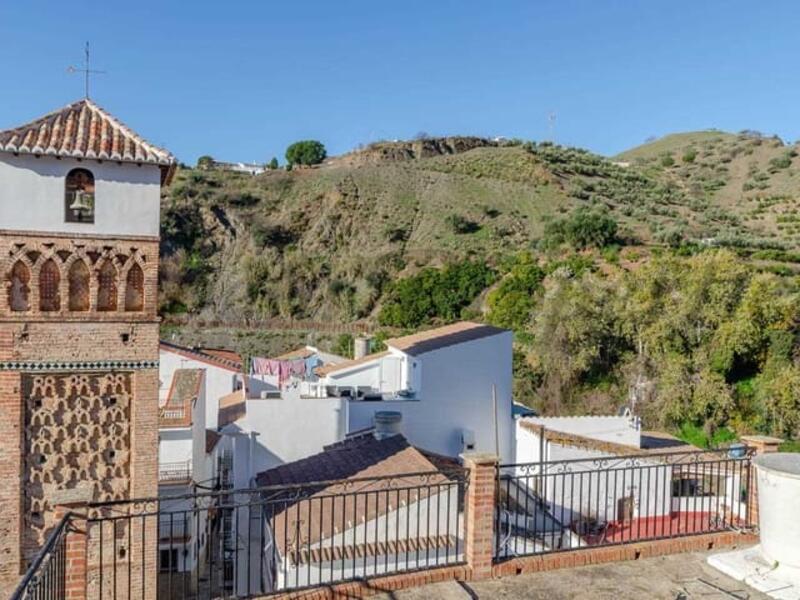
(79,196)
(19,292)
(49,282)
(79,286)
(107,287)
(134,289)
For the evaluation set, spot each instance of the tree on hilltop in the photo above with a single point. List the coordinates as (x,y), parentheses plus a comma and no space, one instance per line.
(305,152)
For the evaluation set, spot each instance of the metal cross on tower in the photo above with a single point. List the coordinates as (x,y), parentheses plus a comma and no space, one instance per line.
(85,70)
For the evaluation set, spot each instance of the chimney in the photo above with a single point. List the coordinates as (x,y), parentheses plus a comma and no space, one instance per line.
(361,346)
(387,424)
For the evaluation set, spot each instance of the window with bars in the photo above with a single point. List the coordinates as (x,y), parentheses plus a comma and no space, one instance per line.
(107,287)
(49,283)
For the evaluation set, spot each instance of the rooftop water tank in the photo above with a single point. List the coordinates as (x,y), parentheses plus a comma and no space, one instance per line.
(778,497)
(387,423)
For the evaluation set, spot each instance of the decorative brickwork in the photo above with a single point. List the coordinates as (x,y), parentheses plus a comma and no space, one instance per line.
(78,383)
(76,431)
(53,277)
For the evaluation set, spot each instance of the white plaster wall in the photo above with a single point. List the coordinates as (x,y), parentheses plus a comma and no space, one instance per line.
(174,445)
(219,382)
(365,375)
(127,196)
(435,515)
(455,394)
(291,428)
(620,430)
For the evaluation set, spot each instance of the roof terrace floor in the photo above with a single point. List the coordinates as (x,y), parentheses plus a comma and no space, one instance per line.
(685,576)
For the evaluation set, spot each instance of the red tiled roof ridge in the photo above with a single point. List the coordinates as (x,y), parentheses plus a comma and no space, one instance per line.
(83,129)
(201,356)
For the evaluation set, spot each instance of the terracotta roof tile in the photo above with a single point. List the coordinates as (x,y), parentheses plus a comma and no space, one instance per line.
(199,354)
(84,130)
(232,407)
(335,469)
(183,391)
(441,337)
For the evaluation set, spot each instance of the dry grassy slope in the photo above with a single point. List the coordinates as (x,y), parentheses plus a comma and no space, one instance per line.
(336,234)
(755,179)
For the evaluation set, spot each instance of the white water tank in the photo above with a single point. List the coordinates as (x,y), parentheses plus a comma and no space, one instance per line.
(778,500)
(387,423)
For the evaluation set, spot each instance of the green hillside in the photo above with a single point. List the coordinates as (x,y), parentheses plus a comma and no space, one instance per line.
(672,275)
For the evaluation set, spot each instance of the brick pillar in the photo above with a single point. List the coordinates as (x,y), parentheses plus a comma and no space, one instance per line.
(480,506)
(11,475)
(76,549)
(762,444)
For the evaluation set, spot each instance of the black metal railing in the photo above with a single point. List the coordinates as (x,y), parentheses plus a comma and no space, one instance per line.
(588,502)
(45,578)
(254,542)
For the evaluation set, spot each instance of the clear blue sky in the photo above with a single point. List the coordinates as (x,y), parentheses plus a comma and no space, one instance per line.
(241,80)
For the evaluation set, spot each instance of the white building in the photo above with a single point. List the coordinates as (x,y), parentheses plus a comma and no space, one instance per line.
(373,517)
(590,480)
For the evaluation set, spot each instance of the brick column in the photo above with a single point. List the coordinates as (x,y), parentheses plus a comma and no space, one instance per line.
(76,548)
(480,506)
(762,444)
(11,473)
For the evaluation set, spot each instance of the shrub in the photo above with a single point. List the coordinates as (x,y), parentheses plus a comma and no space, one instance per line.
(434,294)
(205,162)
(305,152)
(689,156)
(667,160)
(275,236)
(460,224)
(584,228)
(273,164)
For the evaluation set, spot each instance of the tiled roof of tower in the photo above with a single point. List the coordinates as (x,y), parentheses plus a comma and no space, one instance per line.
(84,130)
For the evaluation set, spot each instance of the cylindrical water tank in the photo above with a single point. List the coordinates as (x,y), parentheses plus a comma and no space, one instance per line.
(778,500)
(387,423)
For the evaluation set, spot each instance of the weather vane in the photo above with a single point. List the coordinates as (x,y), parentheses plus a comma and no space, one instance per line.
(85,70)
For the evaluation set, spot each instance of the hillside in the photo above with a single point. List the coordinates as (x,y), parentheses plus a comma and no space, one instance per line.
(323,243)
(611,275)
(747,179)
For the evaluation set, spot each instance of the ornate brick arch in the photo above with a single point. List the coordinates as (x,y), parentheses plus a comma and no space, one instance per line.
(19,285)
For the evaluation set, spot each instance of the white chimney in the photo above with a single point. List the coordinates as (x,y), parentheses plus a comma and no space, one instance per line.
(387,424)
(361,346)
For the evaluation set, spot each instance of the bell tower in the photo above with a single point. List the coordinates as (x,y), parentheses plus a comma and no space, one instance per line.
(79,239)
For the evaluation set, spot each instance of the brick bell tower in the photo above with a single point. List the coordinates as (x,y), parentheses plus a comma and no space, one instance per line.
(79,237)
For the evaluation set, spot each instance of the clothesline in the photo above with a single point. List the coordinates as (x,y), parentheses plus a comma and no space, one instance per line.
(284,369)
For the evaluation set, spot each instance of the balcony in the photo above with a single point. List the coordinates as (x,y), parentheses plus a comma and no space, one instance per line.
(175,472)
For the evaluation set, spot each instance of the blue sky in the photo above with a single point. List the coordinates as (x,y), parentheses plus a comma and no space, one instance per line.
(242,80)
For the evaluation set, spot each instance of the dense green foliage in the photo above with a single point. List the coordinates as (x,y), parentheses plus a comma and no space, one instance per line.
(434,294)
(512,301)
(583,228)
(704,340)
(306,152)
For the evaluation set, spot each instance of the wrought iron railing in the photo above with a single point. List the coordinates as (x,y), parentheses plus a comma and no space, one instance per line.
(175,472)
(45,578)
(588,502)
(254,542)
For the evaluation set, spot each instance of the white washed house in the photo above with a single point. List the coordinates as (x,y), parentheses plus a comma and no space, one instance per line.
(374,517)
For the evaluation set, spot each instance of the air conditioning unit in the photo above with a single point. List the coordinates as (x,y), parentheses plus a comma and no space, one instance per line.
(467,440)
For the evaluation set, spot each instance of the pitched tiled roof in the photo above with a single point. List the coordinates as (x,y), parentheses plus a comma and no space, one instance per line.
(303,352)
(441,337)
(349,467)
(201,355)
(84,130)
(183,391)
(232,407)
(349,364)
